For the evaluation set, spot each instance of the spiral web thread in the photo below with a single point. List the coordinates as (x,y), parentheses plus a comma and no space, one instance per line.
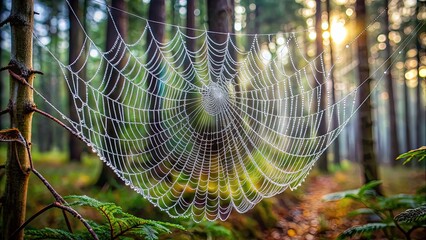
(223,132)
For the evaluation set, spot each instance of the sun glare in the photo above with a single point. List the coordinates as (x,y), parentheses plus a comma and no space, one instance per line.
(338,32)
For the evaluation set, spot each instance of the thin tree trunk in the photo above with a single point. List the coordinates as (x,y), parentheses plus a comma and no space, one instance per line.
(21,99)
(219,19)
(157,15)
(336,143)
(114,87)
(61,139)
(219,14)
(393,128)
(407,117)
(77,88)
(220,25)
(420,108)
(368,161)
(2,88)
(190,31)
(2,91)
(43,131)
(319,76)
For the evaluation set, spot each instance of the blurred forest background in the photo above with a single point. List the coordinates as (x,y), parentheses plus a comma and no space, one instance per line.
(399,106)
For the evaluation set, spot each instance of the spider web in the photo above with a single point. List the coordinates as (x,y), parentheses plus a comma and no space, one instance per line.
(230,127)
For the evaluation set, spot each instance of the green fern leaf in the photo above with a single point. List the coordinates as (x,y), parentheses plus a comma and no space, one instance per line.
(399,201)
(412,215)
(359,230)
(341,195)
(360,211)
(419,153)
(121,224)
(355,194)
(49,233)
(369,187)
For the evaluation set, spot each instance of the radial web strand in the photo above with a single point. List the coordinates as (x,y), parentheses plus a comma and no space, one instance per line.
(200,133)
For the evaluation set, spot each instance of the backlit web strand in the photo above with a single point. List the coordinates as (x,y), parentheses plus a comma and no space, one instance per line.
(221,132)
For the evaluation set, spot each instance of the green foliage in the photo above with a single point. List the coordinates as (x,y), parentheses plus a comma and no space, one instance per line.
(419,153)
(118,224)
(362,230)
(209,230)
(366,190)
(412,215)
(383,209)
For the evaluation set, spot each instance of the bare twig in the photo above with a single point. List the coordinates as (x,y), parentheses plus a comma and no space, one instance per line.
(18,77)
(65,209)
(35,109)
(4,111)
(31,219)
(60,200)
(67,221)
(36,72)
(6,67)
(49,187)
(24,72)
(78,216)
(4,22)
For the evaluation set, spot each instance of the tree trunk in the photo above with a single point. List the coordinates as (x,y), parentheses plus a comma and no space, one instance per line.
(190,31)
(368,161)
(21,100)
(420,107)
(336,143)
(157,15)
(114,88)
(2,88)
(319,76)
(219,19)
(219,13)
(220,25)
(77,88)
(393,128)
(407,117)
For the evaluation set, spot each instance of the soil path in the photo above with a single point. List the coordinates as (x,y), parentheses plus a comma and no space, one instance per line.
(311,218)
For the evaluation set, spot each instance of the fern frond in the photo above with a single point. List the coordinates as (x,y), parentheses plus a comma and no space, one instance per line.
(360,211)
(359,230)
(121,224)
(419,153)
(340,195)
(369,187)
(399,201)
(49,233)
(356,194)
(412,215)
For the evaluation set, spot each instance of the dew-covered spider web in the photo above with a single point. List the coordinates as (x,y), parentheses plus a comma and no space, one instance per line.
(206,131)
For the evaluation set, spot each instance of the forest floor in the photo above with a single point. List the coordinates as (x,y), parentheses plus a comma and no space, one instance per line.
(309,218)
(313,218)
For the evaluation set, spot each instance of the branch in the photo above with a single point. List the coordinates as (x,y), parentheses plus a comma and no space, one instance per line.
(4,111)
(35,109)
(14,66)
(55,194)
(31,219)
(4,22)
(78,216)
(59,200)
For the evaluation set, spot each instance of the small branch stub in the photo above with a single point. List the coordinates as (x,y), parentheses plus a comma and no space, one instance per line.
(19,71)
